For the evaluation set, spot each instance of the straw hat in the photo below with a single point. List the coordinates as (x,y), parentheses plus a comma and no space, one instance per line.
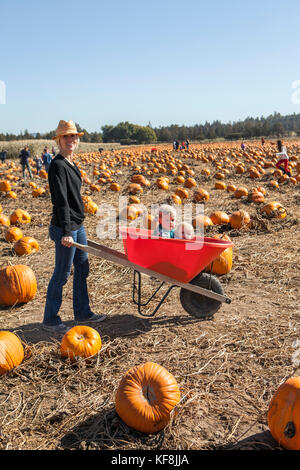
(65,128)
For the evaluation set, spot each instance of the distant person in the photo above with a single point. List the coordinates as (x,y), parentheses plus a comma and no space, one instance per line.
(262,141)
(3,155)
(100,150)
(46,159)
(176,145)
(187,144)
(182,147)
(243,146)
(24,160)
(53,151)
(283,158)
(38,163)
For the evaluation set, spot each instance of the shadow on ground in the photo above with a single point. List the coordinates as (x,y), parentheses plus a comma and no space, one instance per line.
(106,430)
(115,326)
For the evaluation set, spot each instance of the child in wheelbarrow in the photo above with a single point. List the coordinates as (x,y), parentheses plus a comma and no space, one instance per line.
(167,227)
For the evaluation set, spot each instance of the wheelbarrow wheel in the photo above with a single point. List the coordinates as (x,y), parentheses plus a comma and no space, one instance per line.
(199,305)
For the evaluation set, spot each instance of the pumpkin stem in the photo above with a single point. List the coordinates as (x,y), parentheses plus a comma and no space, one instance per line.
(290,430)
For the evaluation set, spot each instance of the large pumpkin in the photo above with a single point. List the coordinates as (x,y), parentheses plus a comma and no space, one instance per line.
(11,351)
(146,396)
(80,341)
(284,412)
(17,284)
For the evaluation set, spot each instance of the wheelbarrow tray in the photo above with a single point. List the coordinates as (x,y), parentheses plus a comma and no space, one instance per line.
(115,256)
(176,258)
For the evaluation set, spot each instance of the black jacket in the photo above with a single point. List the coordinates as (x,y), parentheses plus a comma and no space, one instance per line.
(65,184)
(24,156)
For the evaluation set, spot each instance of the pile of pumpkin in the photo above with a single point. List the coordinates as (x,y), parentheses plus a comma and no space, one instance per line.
(23,245)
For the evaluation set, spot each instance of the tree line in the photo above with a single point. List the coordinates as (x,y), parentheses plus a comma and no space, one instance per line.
(127,133)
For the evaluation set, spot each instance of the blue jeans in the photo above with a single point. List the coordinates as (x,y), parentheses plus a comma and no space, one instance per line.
(64,258)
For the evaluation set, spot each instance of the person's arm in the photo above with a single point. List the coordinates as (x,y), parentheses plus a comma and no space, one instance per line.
(61,200)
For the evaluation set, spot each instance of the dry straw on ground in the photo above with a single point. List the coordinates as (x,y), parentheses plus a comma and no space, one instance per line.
(227,368)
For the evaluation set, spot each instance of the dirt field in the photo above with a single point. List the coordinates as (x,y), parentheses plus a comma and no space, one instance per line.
(227,368)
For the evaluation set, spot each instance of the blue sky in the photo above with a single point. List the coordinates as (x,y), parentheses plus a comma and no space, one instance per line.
(168,62)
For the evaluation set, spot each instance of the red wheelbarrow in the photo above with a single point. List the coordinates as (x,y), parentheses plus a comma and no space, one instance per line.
(179,263)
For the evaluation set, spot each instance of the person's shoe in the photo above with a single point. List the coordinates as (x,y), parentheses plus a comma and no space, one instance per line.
(93,318)
(61,328)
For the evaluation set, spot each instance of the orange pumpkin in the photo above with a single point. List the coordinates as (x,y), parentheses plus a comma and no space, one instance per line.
(26,245)
(190,183)
(12,234)
(80,341)
(200,194)
(37,192)
(238,219)
(201,221)
(220,185)
(219,217)
(146,396)
(175,199)
(11,351)
(20,216)
(283,414)
(135,188)
(130,212)
(223,263)
(17,284)
(274,209)
(90,207)
(115,187)
(182,193)
(5,186)
(4,220)
(231,188)
(240,192)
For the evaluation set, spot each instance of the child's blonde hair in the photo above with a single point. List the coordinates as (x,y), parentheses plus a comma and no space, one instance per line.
(166,209)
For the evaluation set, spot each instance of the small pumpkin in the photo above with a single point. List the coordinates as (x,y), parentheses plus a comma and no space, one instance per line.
(13,234)
(80,341)
(135,188)
(182,193)
(90,207)
(240,192)
(11,351)
(5,186)
(190,183)
(223,263)
(4,220)
(220,185)
(146,396)
(238,219)
(201,221)
(26,246)
(20,216)
(200,194)
(115,187)
(274,209)
(219,218)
